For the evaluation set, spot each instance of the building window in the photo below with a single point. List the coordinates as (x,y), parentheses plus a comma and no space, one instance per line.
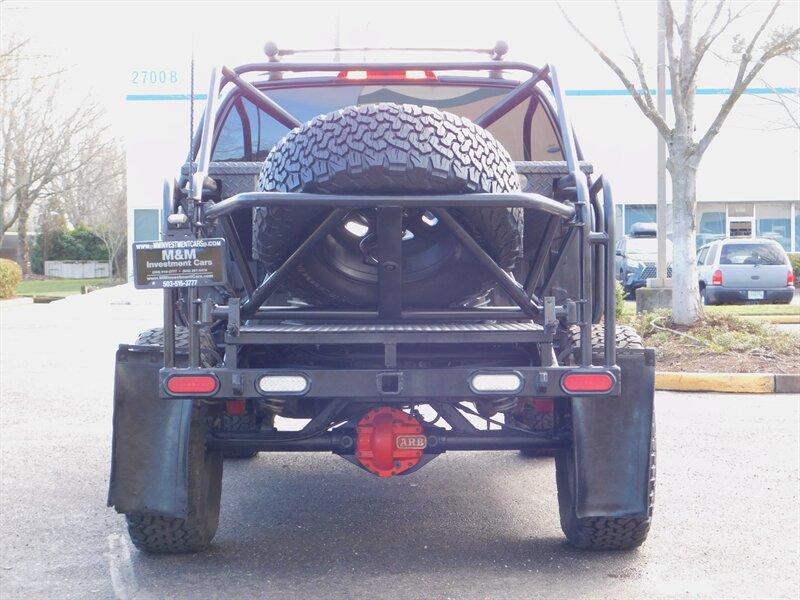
(712,223)
(773,222)
(145,224)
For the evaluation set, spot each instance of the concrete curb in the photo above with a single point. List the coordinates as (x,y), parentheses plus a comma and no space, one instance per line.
(742,383)
(16,301)
(776,319)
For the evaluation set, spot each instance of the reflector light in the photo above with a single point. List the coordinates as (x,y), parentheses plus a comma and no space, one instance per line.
(177,219)
(488,383)
(361,75)
(192,384)
(716,278)
(587,382)
(235,407)
(283,384)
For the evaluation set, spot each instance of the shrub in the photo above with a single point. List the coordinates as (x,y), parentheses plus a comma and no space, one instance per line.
(620,299)
(78,244)
(10,276)
(794,258)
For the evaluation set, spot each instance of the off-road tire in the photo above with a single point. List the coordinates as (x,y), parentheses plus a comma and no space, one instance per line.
(388,149)
(168,535)
(537,421)
(245,422)
(602,533)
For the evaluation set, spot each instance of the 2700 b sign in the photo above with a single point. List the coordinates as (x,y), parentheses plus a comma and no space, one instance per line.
(179,263)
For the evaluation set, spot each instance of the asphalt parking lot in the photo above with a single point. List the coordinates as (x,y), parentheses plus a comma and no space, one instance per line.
(469,525)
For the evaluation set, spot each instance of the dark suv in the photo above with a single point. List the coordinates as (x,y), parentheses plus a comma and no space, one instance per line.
(406,258)
(637,256)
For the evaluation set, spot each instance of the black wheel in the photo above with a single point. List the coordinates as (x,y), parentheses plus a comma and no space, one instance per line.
(602,533)
(536,419)
(245,422)
(166,535)
(388,149)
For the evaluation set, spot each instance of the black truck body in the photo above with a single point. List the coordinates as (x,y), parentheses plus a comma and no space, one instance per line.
(540,342)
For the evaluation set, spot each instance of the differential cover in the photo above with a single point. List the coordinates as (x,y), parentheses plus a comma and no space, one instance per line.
(389,442)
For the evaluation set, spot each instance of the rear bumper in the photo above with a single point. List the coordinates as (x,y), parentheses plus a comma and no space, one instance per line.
(720,294)
(386,385)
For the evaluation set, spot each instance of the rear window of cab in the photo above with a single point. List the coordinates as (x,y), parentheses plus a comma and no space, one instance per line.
(753,254)
(248,133)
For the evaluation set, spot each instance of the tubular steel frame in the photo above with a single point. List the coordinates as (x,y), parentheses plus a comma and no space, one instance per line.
(587,218)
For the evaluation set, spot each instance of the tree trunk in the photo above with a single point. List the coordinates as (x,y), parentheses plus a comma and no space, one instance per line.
(686,307)
(23,250)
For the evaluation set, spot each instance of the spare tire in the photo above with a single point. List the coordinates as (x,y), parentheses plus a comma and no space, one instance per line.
(388,149)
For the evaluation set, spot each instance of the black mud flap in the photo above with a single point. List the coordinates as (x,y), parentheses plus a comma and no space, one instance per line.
(149,474)
(612,438)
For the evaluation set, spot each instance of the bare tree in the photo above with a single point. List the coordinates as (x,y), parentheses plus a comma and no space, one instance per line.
(685,53)
(40,142)
(98,200)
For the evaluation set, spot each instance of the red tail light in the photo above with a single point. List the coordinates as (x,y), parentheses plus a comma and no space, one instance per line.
(716,278)
(192,384)
(366,75)
(587,382)
(790,278)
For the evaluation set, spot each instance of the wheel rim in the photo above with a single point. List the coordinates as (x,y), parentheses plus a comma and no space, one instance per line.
(351,249)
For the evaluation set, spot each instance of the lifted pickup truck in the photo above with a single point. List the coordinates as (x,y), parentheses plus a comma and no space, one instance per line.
(412,258)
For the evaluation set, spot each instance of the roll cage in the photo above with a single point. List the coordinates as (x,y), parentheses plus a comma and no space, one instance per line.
(578,215)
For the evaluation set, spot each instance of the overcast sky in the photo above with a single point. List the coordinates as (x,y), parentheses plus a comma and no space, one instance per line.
(102,44)
(103,48)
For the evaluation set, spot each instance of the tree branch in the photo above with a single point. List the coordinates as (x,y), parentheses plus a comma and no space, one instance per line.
(782,45)
(648,111)
(780,99)
(708,38)
(674,68)
(637,61)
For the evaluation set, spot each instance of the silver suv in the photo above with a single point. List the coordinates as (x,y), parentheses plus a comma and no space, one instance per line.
(749,270)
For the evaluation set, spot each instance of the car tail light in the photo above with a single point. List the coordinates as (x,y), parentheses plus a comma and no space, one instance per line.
(366,75)
(790,278)
(716,278)
(192,384)
(587,382)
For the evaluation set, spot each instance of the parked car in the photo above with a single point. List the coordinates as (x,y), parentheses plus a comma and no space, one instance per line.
(637,255)
(737,271)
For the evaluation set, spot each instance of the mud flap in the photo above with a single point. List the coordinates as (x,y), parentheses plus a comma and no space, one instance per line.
(149,473)
(612,438)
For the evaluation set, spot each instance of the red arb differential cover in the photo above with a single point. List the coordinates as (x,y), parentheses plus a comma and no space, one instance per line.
(390,441)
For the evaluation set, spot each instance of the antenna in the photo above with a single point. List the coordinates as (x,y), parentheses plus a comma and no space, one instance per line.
(191,122)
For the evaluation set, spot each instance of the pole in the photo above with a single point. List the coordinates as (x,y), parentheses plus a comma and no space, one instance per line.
(661,159)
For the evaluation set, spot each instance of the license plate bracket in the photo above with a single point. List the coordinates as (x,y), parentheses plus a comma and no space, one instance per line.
(179,263)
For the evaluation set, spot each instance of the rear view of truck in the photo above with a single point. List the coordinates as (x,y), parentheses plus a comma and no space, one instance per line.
(406,258)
